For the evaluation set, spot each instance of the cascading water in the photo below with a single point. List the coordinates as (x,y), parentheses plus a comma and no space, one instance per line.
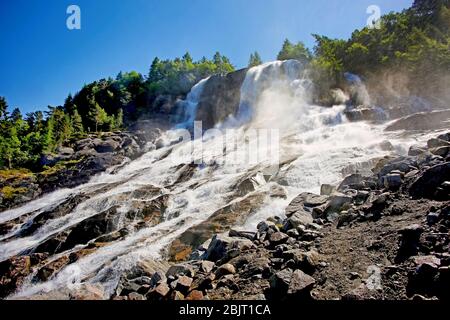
(316,144)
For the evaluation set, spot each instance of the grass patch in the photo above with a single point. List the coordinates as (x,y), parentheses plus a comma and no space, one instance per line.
(11,192)
(15,174)
(61,165)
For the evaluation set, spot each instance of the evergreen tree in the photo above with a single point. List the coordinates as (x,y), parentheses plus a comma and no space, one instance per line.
(294,51)
(255,60)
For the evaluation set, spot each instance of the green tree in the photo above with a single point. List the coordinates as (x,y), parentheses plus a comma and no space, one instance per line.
(294,51)
(99,116)
(255,60)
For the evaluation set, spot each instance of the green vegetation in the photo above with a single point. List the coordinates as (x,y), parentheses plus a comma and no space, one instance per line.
(294,51)
(101,106)
(255,60)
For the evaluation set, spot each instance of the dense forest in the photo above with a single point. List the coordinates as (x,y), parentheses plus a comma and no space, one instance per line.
(415,42)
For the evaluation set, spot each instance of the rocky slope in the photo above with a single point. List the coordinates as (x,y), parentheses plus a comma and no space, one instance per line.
(71,166)
(379,236)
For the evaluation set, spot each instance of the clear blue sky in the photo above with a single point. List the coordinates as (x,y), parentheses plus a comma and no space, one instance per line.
(41,61)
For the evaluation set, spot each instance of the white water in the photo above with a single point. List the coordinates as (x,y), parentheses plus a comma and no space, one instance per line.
(319,142)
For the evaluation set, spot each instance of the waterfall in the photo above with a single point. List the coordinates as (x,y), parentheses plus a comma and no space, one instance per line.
(190,105)
(316,145)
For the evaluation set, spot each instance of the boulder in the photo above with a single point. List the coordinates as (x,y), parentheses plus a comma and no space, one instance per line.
(277,238)
(224,270)
(392,181)
(425,186)
(279,282)
(300,283)
(299,218)
(184,269)
(221,246)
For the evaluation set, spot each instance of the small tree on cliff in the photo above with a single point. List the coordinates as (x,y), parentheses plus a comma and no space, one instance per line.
(255,60)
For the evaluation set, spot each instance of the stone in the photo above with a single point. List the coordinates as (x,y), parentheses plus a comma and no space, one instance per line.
(441,151)
(183,283)
(433,218)
(224,270)
(265,226)
(410,237)
(327,189)
(298,218)
(337,202)
(277,238)
(430,260)
(221,246)
(195,295)
(436,143)
(353,181)
(176,296)
(280,281)
(426,184)
(300,283)
(415,151)
(392,181)
(206,266)
(159,292)
(157,278)
(181,270)
(242,234)
(134,296)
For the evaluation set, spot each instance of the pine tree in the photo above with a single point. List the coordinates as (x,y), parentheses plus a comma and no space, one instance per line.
(77,123)
(255,60)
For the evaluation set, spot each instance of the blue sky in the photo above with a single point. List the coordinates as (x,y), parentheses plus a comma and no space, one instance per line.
(41,61)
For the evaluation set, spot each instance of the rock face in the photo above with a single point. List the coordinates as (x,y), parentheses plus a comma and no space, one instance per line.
(220,98)
(422,121)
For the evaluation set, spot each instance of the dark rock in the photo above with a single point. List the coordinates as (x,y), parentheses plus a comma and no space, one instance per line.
(181,270)
(223,91)
(279,282)
(158,293)
(426,184)
(422,121)
(300,283)
(183,283)
(221,246)
(278,238)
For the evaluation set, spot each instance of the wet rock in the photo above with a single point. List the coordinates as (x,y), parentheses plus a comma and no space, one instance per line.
(441,151)
(327,189)
(422,121)
(305,201)
(353,181)
(12,274)
(436,143)
(88,292)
